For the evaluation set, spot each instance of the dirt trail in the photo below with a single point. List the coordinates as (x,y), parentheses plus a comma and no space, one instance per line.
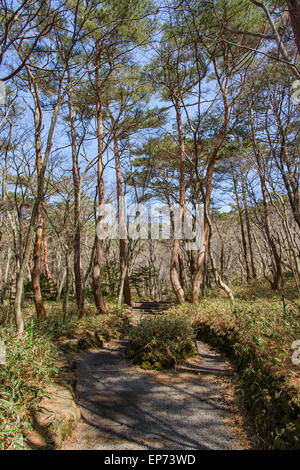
(124,407)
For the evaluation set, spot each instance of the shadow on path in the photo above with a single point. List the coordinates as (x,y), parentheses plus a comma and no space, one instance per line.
(126,408)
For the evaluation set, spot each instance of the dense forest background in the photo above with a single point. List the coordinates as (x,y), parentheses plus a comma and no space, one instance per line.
(172,101)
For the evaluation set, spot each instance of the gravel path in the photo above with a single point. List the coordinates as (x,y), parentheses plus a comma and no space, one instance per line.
(126,408)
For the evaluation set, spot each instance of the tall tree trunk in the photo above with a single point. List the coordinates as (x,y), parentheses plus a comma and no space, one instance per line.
(67,285)
(4,173)
(122,284)
(99,300)
(177,287)
(277,282)
(36,269)
(46,253)
(291,183)
(198,280)
(284,161)
(77,219)
(241,222)
(5,279)
(22,271)
(126,286)
(254,275)
(221,252)
(85,278)
(191,264)
(181,270)
(26,255)
(218,280)
(60,285)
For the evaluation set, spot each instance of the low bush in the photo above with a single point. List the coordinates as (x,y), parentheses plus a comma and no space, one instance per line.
(161,342)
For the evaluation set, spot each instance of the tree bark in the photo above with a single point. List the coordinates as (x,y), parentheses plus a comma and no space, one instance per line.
(60,286)
(77,220)
(36,269)
(241,222)
(21,274)
(122,284)
(177,287)
(221,252)
(85,278)
(5,282)
(67,286)
(254,275)
(46,253)
(125,284)
(4,173)
(99,300)
(294,12)
(23,264)
(218,280)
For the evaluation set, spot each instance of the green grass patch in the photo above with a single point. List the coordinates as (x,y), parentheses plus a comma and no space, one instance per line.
(30,363)
(258,334)
(23,379)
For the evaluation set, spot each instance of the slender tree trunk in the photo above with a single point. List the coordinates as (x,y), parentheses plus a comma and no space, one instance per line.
(122,283)
(284,162)
(281,47)
(126,286)
(60,286)
(218,280)
(177,287)
(77,219)
(264,269)
(241,223)
(86,276)
(5,282)
(291,183)
(254,275)
(181,270)
(46,253)
(277,282)
(67,286)
(198,280)
(23,264)
(221,252)
(4,173)
(36,269)
(191,265)
(99,300)
(21,274)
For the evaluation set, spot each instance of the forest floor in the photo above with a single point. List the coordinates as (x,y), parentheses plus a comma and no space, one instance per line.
(124,407)
(257,334)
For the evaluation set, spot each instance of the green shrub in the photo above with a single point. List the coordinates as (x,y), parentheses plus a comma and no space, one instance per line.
(161,342)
